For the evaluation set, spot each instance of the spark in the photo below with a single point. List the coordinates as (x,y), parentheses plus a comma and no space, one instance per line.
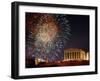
(50,36)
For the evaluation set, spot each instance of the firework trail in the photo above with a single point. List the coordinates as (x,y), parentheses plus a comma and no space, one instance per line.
(49,37)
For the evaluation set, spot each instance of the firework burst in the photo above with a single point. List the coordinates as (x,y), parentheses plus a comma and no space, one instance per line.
(48,38)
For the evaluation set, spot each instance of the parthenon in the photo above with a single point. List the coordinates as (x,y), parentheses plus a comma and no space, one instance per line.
(75,54)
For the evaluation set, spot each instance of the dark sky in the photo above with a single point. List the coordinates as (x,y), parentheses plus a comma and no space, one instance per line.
(80,32)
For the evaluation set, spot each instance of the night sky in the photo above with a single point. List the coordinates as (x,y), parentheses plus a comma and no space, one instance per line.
(48,35)
(80,32)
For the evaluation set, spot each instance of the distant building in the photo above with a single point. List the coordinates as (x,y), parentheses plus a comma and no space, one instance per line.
(39,60)
(75,54)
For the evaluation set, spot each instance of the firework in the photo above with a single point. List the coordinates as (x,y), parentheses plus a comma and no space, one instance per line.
(48,38)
